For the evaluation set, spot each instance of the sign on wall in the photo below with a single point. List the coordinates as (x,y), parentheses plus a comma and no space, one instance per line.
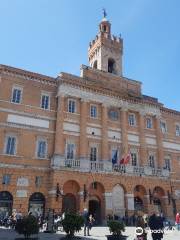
(21,193)
(22,181)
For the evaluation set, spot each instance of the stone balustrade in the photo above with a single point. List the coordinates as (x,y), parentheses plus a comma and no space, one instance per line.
(85,165)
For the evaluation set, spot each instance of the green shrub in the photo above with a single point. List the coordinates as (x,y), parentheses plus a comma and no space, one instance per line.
(116,227)
(72,223)
(27,226)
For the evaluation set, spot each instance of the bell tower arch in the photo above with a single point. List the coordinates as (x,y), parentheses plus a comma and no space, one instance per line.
(106,50)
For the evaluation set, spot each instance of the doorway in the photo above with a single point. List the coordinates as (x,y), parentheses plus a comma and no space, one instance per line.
(95,210)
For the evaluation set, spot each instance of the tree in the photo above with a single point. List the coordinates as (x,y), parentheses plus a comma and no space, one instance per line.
(27,226)
(72,223)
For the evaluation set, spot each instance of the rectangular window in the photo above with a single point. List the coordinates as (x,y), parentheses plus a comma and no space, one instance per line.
(131,120)
(10,145)
(134,159)
(167,163)
(178,130)
(148,123)
(6,179)
(42,149)
(151,161)
(16,95)
(93,111)
(70,155)
(93,154)
(71,106)
(45,100)
(163,127)
(38,181)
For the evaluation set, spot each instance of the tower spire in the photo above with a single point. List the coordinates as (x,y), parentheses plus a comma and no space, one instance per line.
(104,13)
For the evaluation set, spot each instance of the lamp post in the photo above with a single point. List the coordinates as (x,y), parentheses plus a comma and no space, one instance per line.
(173,200)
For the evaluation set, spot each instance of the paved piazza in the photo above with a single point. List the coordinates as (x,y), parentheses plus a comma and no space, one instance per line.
(96,233)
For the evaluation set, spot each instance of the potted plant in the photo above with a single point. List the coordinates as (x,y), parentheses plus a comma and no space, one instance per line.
(72,223)
(116,228)
(27,226)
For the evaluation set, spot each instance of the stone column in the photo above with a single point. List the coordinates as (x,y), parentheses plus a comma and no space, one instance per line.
(104,118)
(142,140)
(108,203)
(124,133)
(159,139)
(130,203)
(83,138)
(59,139)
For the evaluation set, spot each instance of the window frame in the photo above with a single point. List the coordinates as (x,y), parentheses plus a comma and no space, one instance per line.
(36,182)
(112,118)
(149,160)
(96,159)
(169,163)
(47,94)
(177,131)
(151,123)
(74,150)
(9,180)
(6,142)
(17,87)
(37,147)
(165,129)
(134,118)
(73,100)
(95,106)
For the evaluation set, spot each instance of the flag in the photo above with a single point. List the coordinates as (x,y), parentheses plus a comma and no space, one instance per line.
(127,159)
(121,161)
(114,158)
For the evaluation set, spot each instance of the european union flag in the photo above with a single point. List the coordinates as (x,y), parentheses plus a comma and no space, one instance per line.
(114,159)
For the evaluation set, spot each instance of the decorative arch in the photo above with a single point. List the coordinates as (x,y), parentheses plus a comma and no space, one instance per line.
(140,198)
(111,65)
(71,186)
(96,200)
(70,200)
(159,200)
(95,64)
(37,204)
(6,203)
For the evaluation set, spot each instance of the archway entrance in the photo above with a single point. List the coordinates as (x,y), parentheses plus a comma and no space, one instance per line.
(37,204)
(158,200)
(138,204)
(140,199)
(95,209)
(6,202)
(69,203)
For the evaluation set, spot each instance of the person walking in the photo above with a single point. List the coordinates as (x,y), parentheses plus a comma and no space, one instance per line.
(177,222)
(156,226)
(86,222)
(141,224)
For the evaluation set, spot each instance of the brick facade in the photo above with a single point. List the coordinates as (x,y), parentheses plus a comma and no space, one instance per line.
(59,155)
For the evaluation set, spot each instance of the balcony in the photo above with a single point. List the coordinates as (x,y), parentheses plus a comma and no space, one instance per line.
(85,165)
(141,171)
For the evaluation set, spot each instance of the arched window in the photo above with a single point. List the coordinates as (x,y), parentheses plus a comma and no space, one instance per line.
(95,64)
(111,66)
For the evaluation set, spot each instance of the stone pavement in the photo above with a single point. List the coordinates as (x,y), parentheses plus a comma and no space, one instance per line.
(97,233)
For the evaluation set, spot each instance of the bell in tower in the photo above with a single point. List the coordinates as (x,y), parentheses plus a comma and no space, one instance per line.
(105,51)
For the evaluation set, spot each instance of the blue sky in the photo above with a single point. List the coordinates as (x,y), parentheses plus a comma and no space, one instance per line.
(52,36)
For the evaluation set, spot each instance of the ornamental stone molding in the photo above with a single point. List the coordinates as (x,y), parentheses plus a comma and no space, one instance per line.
(107,100)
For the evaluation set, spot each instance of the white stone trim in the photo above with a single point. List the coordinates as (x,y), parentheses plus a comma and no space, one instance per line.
(107,100)
(17,119)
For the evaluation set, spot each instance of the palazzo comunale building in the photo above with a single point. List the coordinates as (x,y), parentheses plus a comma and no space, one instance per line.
(58,137)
